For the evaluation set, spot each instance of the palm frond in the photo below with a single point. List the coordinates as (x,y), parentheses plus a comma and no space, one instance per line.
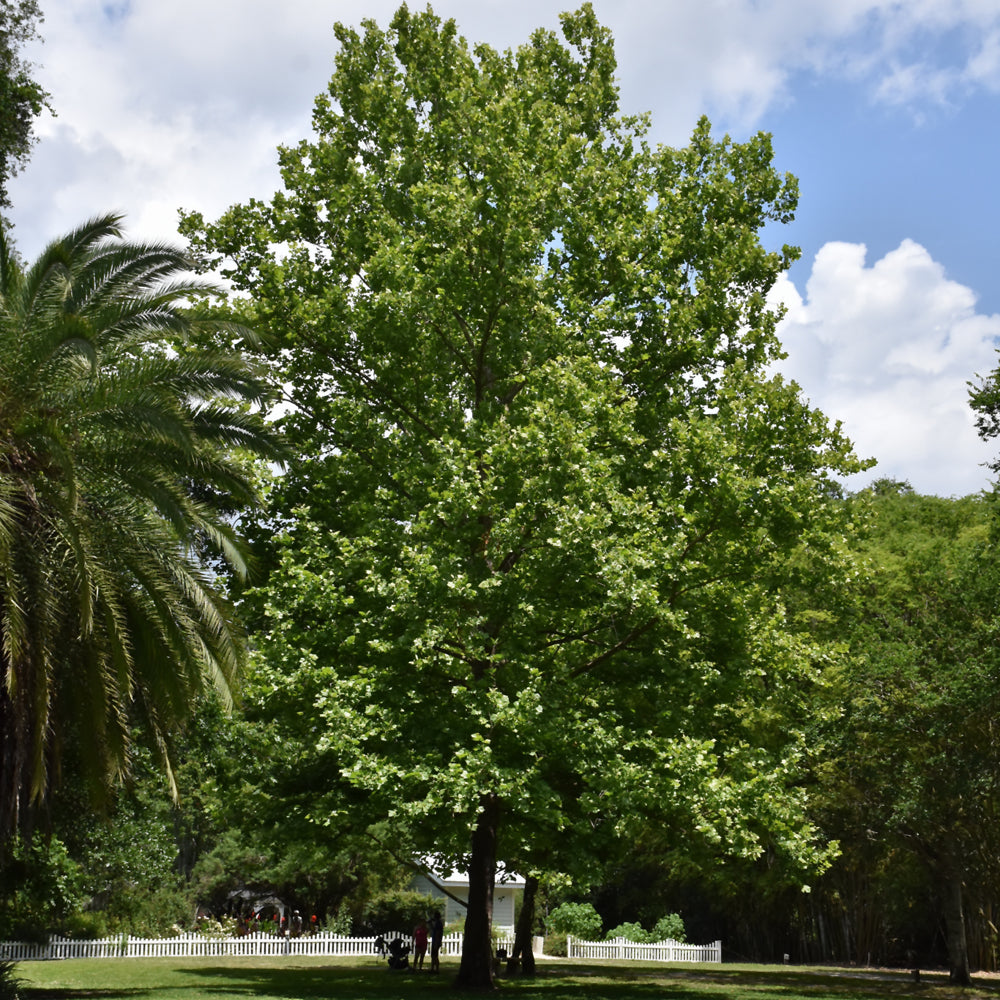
(121,459)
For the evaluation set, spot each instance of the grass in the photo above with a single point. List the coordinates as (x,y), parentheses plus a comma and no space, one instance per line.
(353,979)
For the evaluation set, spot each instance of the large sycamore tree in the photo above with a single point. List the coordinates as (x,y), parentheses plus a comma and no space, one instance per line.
(548,490)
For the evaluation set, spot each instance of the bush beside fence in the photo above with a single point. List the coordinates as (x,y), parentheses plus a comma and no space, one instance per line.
(663,951)
(203,945)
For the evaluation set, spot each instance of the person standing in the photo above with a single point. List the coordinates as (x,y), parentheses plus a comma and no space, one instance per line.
(419,944)
(437,936)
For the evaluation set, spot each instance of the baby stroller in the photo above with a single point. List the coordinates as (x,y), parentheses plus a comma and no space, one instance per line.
(398,953)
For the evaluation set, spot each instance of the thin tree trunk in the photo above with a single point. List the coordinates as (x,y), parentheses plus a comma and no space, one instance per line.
(954,922)
(476,970)
(522,955)
(15,780)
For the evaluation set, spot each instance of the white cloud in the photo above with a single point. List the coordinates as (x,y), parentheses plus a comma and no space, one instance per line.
(134,72)
(983,68)
(888,350)
(935,52)
(735,58)
(191,115)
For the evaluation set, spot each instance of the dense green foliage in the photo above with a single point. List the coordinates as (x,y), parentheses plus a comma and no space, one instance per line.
(579,919)
(667,928)
(916,748)
(904,778)
(41,887)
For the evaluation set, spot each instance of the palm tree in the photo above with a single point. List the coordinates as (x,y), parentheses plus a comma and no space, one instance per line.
(121,449)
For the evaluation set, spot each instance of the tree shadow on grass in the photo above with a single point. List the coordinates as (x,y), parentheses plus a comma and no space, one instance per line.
(30,992)
(566,983)
(304,983)
(576,982)
(383,984)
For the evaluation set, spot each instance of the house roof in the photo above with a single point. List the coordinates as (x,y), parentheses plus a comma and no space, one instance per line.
(435,872)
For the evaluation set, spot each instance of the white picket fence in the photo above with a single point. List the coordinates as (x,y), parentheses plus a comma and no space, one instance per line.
(203,945)
(327,945)
(662,951)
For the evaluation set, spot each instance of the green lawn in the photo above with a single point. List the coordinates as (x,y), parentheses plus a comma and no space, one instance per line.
(353,979)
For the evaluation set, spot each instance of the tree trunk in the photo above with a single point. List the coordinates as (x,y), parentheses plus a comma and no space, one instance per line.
(522,954)
(476,970)
(954,923)
(16,733)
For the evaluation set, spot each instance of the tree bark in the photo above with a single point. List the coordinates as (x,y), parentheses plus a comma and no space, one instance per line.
(17,731)
(954,922)
(476,969)
(522,955)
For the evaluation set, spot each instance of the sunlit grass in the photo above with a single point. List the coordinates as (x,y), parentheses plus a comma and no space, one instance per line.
(356,979)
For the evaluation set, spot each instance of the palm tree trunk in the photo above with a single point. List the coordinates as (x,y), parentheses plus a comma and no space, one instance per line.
(15,734)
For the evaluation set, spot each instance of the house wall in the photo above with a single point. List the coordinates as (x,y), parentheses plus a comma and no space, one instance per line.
(503,902)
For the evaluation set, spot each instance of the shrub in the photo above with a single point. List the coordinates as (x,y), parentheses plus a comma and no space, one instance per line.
(147,914)
(669,928)
(396,911)
(631,931)
(10,984)
(41,887)
(212,928)
(555,944)
(579,919)
(85,926)
(342,923)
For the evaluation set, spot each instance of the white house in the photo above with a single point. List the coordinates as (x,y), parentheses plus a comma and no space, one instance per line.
(508,885)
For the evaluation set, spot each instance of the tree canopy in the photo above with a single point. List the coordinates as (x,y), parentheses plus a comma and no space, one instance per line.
(549,491)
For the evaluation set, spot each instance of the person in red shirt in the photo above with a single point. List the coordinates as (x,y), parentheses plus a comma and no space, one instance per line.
(419,944)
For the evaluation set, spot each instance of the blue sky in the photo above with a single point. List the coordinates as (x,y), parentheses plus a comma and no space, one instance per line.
(877,172)
(886,110)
